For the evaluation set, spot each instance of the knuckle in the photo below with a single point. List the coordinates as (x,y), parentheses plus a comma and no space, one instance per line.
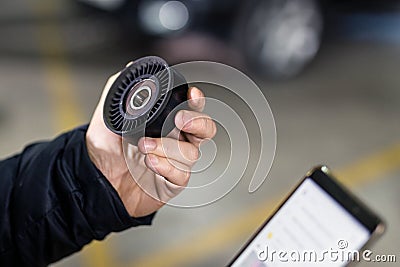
(168,168)
(193,153)
(206,122)
(185,177)
(214,129)
(162,146)
(201,123)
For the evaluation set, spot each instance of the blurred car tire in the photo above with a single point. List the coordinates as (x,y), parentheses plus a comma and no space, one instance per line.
(278,38)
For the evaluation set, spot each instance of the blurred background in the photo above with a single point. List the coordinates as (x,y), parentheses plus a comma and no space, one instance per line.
(329,69)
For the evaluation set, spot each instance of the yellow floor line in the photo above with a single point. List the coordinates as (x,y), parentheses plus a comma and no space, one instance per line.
(98,254)
(372,167)
(66,110)
(230,230)
(207,242)
(58,78)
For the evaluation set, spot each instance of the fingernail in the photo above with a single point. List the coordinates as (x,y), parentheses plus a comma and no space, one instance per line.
(154,160)
(195,96)
(149,144)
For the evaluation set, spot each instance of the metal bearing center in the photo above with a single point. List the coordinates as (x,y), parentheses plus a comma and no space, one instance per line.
(141,97)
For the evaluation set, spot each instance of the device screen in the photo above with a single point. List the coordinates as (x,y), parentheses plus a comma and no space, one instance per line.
(310,228)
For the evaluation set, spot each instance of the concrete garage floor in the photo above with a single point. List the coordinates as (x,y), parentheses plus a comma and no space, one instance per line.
(342,111)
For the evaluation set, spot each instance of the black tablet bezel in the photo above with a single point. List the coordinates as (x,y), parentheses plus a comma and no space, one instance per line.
(322,176)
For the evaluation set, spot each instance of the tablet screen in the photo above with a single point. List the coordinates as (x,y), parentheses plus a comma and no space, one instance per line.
(311,228)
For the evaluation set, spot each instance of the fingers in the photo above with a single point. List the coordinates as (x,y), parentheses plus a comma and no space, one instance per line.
(177,134)
(172,157)
(178,151)
(168,169)
(169,158)
(196,124)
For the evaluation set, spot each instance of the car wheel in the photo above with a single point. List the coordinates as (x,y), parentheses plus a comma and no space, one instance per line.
(279,37)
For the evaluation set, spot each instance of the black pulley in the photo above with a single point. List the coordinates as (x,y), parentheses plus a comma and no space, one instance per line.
(142,97)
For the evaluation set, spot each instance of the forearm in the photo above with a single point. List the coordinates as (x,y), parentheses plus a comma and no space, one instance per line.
(58,203)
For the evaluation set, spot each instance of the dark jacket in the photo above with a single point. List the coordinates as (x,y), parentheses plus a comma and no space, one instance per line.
(53,201)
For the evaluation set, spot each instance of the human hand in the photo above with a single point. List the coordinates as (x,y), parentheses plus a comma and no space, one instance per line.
(160,167)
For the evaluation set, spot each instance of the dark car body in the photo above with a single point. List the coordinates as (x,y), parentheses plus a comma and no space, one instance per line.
(277,38)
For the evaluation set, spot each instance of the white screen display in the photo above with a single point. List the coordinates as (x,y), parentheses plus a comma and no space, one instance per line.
(311,228)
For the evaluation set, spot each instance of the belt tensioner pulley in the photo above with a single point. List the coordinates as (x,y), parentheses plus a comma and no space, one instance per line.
(142,97)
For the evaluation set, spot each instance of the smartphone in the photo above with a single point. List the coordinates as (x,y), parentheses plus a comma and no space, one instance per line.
(321,223)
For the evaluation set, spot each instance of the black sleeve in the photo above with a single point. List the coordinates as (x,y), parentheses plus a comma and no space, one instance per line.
(53,201)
